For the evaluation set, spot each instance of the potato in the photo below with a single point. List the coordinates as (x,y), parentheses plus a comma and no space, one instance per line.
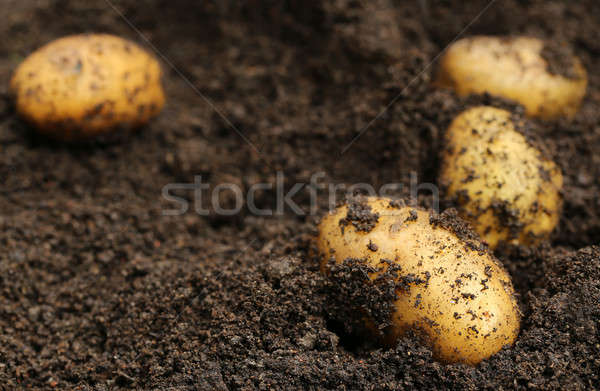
(546,79)
(452,290)
(83,86)
(501,183)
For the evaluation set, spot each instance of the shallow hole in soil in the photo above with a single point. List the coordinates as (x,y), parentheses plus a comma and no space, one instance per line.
(350,342)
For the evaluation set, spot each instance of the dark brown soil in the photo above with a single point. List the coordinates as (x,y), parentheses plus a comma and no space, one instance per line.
(559,57)
(100,290)
(360,216)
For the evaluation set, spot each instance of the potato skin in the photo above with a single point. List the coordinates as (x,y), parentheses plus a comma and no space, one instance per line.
(504,186)
(459,296)
(82,86)
(512,68)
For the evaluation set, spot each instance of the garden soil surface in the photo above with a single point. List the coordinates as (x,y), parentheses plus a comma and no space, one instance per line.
(106,284)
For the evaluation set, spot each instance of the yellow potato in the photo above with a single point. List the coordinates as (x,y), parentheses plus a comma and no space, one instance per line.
(82,86)
(503,185)
(453,290)
(522,69)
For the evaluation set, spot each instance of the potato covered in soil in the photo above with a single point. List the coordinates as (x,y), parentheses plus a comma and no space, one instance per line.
(82,86)
(449,287)
(501,183)
(546,78)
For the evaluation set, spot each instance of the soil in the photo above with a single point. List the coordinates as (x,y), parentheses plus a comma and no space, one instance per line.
(359,215)
(101,289)
(560,60)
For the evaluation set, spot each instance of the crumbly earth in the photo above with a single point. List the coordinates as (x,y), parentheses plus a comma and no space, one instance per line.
(100,290)
(359,215)
(559,57)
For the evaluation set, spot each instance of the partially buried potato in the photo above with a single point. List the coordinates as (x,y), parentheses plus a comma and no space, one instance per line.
(505,186)
(450,288)
(82,86)
(545,77)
